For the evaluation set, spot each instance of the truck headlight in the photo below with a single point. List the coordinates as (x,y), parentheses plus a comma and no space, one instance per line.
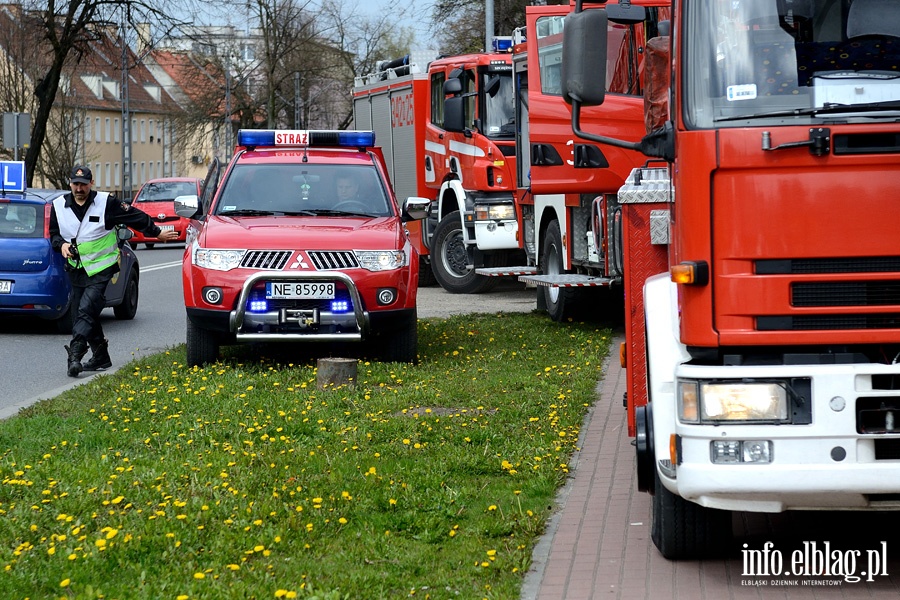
(218,260)
(494,212)
(716,401)
(380,260)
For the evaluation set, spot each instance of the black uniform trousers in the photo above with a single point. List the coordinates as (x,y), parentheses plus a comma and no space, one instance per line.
(89,298)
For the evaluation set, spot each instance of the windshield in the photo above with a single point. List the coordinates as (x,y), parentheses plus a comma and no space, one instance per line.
(500,117)
(166,191)
(21,220)
(782,61)
(303,189)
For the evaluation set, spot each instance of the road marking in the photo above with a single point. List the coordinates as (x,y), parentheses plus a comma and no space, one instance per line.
(176,263)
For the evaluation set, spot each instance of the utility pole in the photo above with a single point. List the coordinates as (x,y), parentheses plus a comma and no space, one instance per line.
(126,122)
(488,25)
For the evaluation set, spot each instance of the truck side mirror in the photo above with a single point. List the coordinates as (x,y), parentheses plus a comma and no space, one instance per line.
(454,116)
(584,57)
(452,86)
(415,208)
(492,86)
(626,14)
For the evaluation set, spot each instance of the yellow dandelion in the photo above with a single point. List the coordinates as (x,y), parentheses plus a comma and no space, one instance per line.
(65,582)
(199,575)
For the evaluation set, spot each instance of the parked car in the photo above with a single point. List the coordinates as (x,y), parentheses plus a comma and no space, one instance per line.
(300,239)
(33,281)
(157,198)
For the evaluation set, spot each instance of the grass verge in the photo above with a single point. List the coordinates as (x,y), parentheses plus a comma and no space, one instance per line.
(243,480)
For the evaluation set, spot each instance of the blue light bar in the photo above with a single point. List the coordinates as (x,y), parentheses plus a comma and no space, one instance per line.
(340,306)
(502,43)
(304,137)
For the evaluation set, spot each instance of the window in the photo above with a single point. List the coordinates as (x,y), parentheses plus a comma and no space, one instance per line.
(98,174)
(469,88)
(107,176)
(88,130)
(98,132)
(108,130)
(118,173)
(152,131)
(437,99)
(116,132)
(143,131)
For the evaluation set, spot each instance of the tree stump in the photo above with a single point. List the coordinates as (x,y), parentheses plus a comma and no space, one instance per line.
(334,372)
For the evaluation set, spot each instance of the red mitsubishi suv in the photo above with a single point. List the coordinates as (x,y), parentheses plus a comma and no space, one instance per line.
(300,239)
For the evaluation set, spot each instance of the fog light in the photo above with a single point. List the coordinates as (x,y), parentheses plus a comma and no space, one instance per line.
(386,296)
(212,295)
(740,451)
(758,451)
(726,452)
(340,306)
(257,302)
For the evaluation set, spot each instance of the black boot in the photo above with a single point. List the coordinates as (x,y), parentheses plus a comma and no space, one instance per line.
(76,352)
(99,359)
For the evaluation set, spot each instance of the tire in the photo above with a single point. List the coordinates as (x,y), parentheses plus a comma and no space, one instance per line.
(202,345)
(126,309)
(449,259)
(426,274)
(146,245)
(561,303)
(684,530)
(66,321)
(400,345)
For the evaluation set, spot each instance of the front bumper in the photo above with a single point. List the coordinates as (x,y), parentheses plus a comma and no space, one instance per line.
(836,460)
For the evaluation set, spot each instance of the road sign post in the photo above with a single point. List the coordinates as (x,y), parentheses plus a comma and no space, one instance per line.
(16,131)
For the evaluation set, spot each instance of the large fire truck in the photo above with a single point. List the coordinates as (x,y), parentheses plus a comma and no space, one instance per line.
(569,215)
(761,265)
(447,129)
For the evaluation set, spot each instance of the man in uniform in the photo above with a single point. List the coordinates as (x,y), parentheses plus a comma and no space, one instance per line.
(82,229)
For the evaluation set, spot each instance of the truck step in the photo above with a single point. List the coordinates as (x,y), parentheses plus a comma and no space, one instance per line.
(506,271)
(568,280)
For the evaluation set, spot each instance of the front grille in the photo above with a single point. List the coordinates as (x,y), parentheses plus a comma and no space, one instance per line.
(325,260)
(827,322)
(800,266)
(266,259)
(849,293)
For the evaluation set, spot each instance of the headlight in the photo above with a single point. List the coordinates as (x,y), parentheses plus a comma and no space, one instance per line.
(218,260)
(489,212)
(732,401)
(380,260)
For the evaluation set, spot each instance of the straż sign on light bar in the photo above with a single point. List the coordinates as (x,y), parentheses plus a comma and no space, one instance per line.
(292,137)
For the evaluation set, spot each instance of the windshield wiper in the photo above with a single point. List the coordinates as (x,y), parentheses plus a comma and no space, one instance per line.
(340,213)
(245,212)
(827,108)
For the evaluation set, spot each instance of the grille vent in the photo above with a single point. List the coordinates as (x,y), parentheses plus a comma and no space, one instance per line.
(274,260)
(326,260)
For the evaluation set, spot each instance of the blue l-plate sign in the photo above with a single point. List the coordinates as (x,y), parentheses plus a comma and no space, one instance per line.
(12,176)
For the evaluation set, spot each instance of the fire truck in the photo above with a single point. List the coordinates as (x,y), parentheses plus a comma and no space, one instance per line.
(447,129)
(568,210)
(761,265)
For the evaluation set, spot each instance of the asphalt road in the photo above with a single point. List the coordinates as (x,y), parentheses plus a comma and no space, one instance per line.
(33,360)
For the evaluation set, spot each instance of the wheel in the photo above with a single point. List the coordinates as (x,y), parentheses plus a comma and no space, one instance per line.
(561,303)
(681,529)
(449,260)
(202,345)
(149,245)
(126,310)
(399,345)
(66,321)
(426,274)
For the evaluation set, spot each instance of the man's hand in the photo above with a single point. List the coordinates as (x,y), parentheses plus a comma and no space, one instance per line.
(65,250)
(168,236)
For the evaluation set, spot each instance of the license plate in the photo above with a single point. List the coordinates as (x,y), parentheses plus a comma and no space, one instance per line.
(167,227)
(5,286)
(294,290)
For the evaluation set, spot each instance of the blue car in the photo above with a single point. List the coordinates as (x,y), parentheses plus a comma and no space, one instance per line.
(33,280)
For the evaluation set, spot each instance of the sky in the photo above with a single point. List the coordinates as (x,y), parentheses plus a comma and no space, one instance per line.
(418,17)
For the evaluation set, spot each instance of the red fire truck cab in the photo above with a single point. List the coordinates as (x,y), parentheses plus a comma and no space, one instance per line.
(300,239)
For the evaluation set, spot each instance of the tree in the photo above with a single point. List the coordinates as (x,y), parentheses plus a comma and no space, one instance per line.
(66,29)
(459,24)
